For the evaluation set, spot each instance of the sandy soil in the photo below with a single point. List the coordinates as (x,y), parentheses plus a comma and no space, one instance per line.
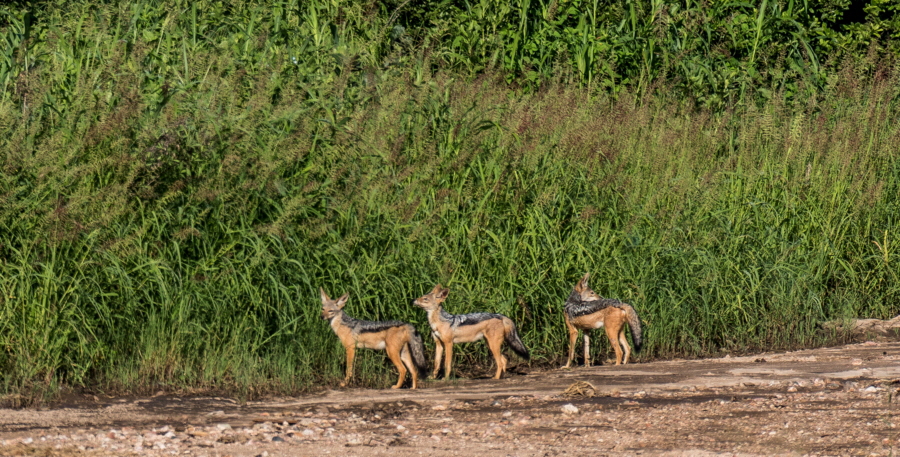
(834,401)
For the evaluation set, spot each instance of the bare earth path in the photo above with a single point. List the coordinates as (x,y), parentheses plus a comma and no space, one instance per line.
(834,401)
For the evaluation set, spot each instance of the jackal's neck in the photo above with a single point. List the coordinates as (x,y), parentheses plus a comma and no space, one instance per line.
(438,314)
(341,320)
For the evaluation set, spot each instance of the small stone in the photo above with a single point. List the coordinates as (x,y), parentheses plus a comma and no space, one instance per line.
(569,408)
(308,432)
(277,439)
(216,413)
(507,413)
(223,426)
(400,428)
(792,389)
(28,440)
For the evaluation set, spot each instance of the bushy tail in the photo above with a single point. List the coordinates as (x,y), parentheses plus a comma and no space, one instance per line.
(418,352)
(512,338)
(635,324)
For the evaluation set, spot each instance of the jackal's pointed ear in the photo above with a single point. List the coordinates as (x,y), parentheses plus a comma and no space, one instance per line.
(436,289)
(342,301)
(325,298)
(583,284)
(443,293)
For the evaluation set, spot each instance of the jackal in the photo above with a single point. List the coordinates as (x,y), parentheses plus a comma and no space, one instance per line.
(447,329)
(586,310)
(401,340)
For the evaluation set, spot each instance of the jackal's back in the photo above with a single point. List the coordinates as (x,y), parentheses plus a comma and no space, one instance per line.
(576,307)
(358,326)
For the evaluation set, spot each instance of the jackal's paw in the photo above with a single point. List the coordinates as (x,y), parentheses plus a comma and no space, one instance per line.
(395,387)
(343,384)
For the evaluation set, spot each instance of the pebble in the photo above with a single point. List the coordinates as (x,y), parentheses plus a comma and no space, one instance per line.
(569,408)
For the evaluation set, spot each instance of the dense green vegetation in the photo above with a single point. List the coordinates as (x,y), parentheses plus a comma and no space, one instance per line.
(178,178)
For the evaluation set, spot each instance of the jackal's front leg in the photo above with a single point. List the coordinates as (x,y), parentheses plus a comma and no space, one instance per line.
(587,349)
(351,351)
(438,353)
(448,358)
(573,336)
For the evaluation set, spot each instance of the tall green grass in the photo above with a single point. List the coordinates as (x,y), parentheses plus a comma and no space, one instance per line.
(177,183)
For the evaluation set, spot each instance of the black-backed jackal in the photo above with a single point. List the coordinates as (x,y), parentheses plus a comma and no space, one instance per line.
(586,310)
(401,340)
(448,329)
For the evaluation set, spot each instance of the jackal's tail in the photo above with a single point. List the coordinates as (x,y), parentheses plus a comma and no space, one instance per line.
(512,338)
(418,352)
(635,323)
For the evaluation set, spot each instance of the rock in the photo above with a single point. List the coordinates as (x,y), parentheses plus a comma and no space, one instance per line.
(223,426)
(569,408)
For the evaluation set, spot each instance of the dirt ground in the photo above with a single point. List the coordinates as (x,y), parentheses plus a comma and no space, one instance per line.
(833,401)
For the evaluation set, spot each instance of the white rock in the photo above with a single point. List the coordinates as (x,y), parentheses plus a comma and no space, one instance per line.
(28,440)
(569,408)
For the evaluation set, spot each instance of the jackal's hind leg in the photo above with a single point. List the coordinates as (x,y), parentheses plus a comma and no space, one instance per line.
(612,331)
(494,341)
(393,353)
(624,341)
(406,357)
(587,349)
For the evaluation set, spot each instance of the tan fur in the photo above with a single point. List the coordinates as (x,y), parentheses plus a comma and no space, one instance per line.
(613,319)
(395,341)
(445,336)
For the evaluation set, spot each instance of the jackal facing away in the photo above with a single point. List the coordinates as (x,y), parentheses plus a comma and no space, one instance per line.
(448,329)
(586,310)
(401,340)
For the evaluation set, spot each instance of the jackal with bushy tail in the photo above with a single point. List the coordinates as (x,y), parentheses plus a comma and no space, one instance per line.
(586,310)
(401,340)
(448,329)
